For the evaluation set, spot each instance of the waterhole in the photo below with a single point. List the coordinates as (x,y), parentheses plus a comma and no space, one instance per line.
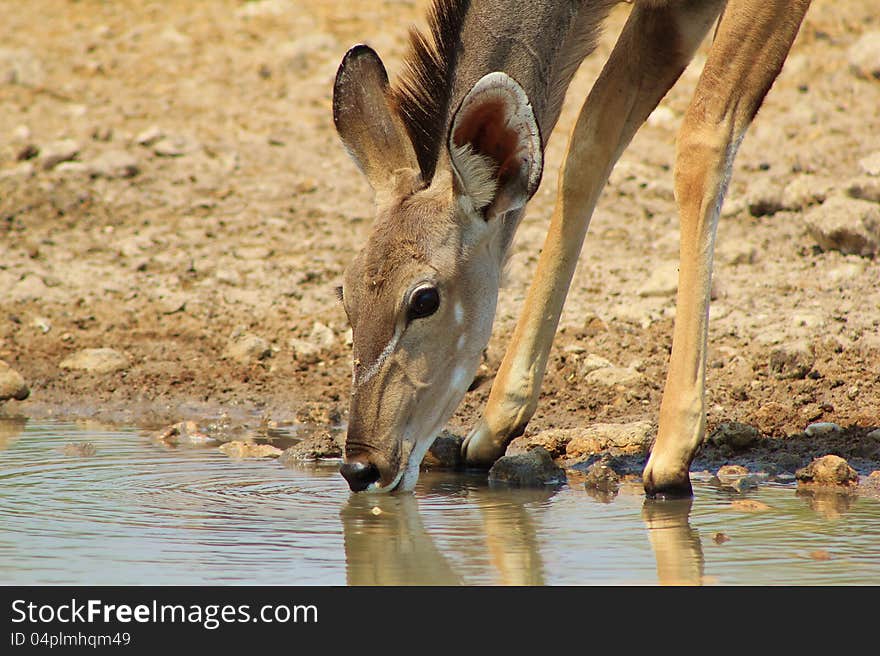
(129,511)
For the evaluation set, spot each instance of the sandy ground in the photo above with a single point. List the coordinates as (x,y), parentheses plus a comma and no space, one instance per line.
(205,210)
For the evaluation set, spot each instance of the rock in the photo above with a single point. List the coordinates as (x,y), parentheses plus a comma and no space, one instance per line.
(445,452)
(242,449)
(149,136)
(21,67)
(12,385)
(602,478)
(806,190)
(735,478)
(735,435)
(247,348)
(748,505)
(593,363)
(534,468)
(864,56)
(791,361)
(52,154)
(309,350)
(822,428)
(553,440)
(874,434)
(184,432)
(176,146)
(848,225)
(731,471)
(864,188)
(616,377)
(628,438)
(662,282)
(870,164)
(764,197)
(79,449)
(827,470)
(114,164)
(97,361)
(315,447)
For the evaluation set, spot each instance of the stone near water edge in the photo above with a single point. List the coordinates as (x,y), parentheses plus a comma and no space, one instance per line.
(828,470)
(184,432)
(79,449)
(320,446)
(445,452)
(535,468)
(735,478)
(791,361)
(863,56)
(731,471)
(601,477)
(822,428)
(848,225)
(241,449)
(874,434)
(97,361)
(627,438)
(735,435)
(52,154)
(554,440)
(12,385)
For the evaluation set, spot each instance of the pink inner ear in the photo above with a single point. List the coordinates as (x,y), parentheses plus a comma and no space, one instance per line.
(485,127)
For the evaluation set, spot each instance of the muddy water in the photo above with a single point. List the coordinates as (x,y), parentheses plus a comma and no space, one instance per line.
(134,512)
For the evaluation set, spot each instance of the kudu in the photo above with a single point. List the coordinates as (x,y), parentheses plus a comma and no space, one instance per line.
(454,150)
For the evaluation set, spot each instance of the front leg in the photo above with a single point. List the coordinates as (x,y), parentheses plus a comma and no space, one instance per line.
(639,72)
(750,46)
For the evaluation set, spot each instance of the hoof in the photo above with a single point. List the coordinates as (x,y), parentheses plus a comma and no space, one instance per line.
(480,449)
(667,487)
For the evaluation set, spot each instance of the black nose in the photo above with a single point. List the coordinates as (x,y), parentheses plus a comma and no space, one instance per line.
(359,475)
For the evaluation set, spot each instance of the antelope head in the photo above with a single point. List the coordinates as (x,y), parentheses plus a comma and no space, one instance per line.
(421,294)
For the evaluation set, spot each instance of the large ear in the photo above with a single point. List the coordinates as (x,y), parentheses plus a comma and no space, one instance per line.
(495,146)
(371,130)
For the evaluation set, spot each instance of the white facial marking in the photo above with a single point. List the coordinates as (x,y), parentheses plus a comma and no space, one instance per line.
(373,369)
(458,310)
(460,344)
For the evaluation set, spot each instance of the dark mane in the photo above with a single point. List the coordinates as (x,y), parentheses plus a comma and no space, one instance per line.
(423,92)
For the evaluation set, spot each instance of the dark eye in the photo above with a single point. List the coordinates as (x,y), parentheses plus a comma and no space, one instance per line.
(423,302)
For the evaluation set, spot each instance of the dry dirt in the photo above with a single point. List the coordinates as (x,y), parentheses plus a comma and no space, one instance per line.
(243,215)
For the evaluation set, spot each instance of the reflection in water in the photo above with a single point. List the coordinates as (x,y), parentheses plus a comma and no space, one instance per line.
(830,503)
(676,545)
(10,430)
(135,513)
(386,542)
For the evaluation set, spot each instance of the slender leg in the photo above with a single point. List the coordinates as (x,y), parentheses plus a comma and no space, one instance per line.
(653,49)
(751,44)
